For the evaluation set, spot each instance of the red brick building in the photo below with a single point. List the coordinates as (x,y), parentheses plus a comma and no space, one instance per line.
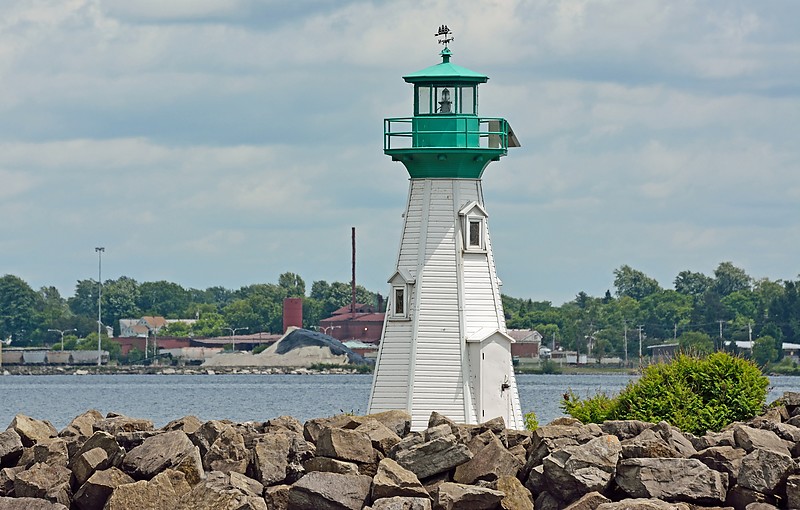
(364,324)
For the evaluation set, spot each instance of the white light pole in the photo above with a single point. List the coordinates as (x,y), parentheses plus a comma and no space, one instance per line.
(99,250)
(233,335)
(325,329)
(62,334)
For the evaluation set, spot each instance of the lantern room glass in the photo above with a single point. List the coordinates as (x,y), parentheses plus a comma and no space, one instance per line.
(446,99)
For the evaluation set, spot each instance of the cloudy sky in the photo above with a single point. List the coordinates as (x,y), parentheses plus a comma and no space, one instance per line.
(223,142)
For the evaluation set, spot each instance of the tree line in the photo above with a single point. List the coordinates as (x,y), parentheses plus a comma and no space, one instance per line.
(701,313)
(26,314)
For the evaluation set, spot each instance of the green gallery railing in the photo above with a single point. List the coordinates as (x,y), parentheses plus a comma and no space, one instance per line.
(445,132)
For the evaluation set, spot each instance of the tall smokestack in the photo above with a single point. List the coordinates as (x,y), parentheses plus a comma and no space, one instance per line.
(353,288)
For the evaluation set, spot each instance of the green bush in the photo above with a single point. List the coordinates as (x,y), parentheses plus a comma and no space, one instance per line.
(695,394)
(531,422)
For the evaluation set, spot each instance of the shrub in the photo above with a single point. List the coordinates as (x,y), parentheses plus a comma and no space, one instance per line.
(692,393)
(531,422)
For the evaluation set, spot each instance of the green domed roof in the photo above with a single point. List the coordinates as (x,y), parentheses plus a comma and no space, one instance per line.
(445,72)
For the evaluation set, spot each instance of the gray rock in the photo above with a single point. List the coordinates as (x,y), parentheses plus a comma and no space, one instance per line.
(392,480)
(29,504)
(398,422)
(456,496)
(556,435)
(163,492)
(130,440)
(300,451)
(760,506)
(546,501)
(7,477)
(432,457)
(750,438)
(383,439)
(31,430)
(328,465)
(675,439)
(536,481)
(624,429)
(51,451)
(188,424)
(786,431)
(283,423)
(246,484)
(277,497)
(739,497)
(648,444)
(643,504)
(94,493)
(82,425)
(168,450)
(347,445)
(402,503)
(10,448)
(490,463)
(515,495)
(205,436)
(312,428)
(723,438)
(765,471)
(44,481)
(227,453)
(589,501)
(107,443)
(118,424)
(793,491)
(87,463)
(725,459)
(329,491)
(271,459)
(671,480)
(437,431)
(577,470)
(217,492)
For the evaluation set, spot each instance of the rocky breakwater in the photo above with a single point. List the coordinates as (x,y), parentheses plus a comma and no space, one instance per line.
(353,462)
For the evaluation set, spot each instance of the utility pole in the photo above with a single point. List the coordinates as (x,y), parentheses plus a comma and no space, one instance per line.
(675,332)
(641,326)
(99,251)
(721,343)
(750,333)
(625,336)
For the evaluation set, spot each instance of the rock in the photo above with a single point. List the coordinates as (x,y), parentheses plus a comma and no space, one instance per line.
(51,451)
(348,445)
(329,491)
(277,497)
(589,501)
(246,484)
(7,477)
(117,424)
(130,440)
(760,506)
(383,439)
(437,431)
(300,451)
(282,423)
(764,471)
(432,457)
(228,453)
(671,480)
(643,504)
(536,481)
(392,480)
(44,481)
(577,470)
(217,492)
(517,437)
(749,438)
(328,465)
(675,439)
(10,448)
(648,444)
(205,436)
(270,459)
(515,495)
(188,424)
(163,492)
(725,459)
(107,443)
(624,429)
(793,491)
(313,428)
(168,450)
(82,425)
(397,421)
(87,463)
(479,441)
(491,462)
(456,496)
(558,434)
(546,501)
(31,431)
(724,438)
(94,493)
(29,504)
(402,503)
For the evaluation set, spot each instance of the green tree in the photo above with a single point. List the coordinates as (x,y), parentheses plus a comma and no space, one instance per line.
(692,284)
(696,343)
(84,300)
(729,279)
(764,350)
(292,284)
(634,283)
(18,305)
(209,324)
(119,301)
(164,299)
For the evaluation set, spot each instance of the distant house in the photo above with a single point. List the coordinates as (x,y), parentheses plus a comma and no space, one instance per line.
(131,328)
(364,324)
(790,350)
(526,343)
(663,352)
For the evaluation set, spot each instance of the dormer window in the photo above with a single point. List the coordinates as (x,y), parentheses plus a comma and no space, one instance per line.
(399,308)
(475,233)
(473,221)
(401,282)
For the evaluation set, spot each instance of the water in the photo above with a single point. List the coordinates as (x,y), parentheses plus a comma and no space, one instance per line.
(162,398)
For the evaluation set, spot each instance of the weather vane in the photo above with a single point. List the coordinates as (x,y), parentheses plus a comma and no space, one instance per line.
(447,33)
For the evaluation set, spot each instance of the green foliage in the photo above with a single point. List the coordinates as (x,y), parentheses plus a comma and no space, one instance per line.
(531,422)
(692,393)
(696,343)
(548,366)
(361,369)
(765,350)
(260,348)
(634,283)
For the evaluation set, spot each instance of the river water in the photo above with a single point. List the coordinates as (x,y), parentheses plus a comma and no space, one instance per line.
(162,398)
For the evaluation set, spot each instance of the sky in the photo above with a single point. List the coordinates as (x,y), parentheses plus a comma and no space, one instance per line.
(224,142)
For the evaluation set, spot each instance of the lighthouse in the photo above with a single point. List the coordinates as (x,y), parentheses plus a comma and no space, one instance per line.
(444,345)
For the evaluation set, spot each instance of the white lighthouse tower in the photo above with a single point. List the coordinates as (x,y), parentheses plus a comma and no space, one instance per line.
(444,345)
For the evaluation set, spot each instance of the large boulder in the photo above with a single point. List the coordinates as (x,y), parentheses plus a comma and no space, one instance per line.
(44,481)
(87,463)
(491,462)
(270,459)
(556,435)
(382,437)
(588,501)
(725,459)
(188,424)
(329,491)
(577,470)
(328,465)
(51,451)
(456,496)
(392,479)
(227,453)
(401,503)
(515,495)
(397,421)
(347,445)
(208,432)
(313,428)
(765,471)
(219,492)
(671,479)
(283,423)
(163,492)
(7,477)
(107,443)
(624,429)
(432,457)
(94,493)
(10,448)
(793,491)
(643,504)
(29,504)
(750,438)
(82,425)
(164,451)
(117,424)
(31,430)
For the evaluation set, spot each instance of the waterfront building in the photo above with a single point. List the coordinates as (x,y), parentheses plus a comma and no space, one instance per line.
(444,345)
